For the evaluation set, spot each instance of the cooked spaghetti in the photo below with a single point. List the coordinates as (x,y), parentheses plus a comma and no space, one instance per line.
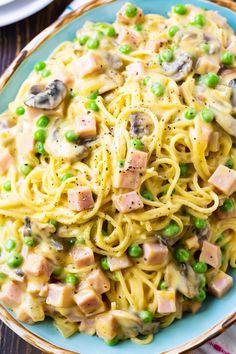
(117,176)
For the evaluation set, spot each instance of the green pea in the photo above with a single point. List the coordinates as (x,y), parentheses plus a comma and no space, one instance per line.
(10,245)
(135,251)
(46,73)
(201,295)
(199,223)
(93,95)
(92,104)
(57,271)
(53,222)
(205,47)
(163,285)
(202,281)
(180,9)
(167,55)
(200,20)
(29,241)
(71,241)
(43,121)
(220,238)
(115,276)
(200,267)
(228,205)
(183,169)
(138,27)
(227,58)
(40,135)
(120,163)
(112,342)
(25,169)
(146,316)
(39,66)
(15,260)
(66,176)
(158,89)
(207,115)
(125,49)
(110,31)
(146,80)
(182,255)
(83,39)
(39,148)
(7,186)
(71,279)
(211,80)
(147,195)
(3,276)
(81,240)
(136,144)
(131,10)
(230,163)
(20,110)
(171,230)
(190,113)
(173,30)
(159,58)
(104,263)
(93,43)
(71,136)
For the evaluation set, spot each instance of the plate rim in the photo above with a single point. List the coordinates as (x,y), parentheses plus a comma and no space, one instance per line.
(5,315)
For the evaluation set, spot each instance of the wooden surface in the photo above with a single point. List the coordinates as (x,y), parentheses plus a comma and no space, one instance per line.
(12,39)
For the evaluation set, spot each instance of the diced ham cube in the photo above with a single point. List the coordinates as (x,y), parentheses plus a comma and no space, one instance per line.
(232,45)
(211,254)
(86,126)
(224,179)
(37,265)
(214,143)
(219,284)
(154,45)
(126,179)
(89,63)
(136,70)
(60,295)
(82,256)
(192,242)
(89,301)
(206,64)
(35,287)
(128,202)
(87,326)
(80,198)
(166,301)
(106,326)
(122,18)
(154,253)
(128,37)
(136,160)
(25,143)
(5,160)
(98,280)
(117,263)
(226,214)
(206,131)
(11,294)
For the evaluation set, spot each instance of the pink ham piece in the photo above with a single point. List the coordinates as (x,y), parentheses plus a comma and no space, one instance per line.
(207,64)
(128,202)
(80,198)
(219,284)
(154,253)
(136,70)
(89,301)
(166,301)
(11,295)
(37,265)
(5,160)
(154,45)
(82,256)
(136,160)
(60,295)
(211,254)
(122,18)
(89,63)
(224,179)
(214,143)
(128,37)
(232,45)
(117,263)
(106,326)
(126,179)
(98,281)
(25,143)
(86,126)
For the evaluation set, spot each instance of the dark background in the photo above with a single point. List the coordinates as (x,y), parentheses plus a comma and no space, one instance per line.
(12,39)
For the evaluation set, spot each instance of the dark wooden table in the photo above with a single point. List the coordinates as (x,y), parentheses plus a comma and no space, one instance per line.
(12,39)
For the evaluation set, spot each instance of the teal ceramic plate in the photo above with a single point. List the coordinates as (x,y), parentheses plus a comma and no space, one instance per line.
(184,334)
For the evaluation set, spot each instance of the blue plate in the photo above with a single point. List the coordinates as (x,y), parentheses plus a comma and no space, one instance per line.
(194,328)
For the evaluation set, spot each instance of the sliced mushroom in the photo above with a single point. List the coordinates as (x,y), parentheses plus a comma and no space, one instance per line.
(182,278)
(47,98)
(214,44)
(130,324)
(57,146)
(150,328)
(114,61)
(202,234)
(57,244)
(229,78)
(27,228)
(180,67)
(139,124)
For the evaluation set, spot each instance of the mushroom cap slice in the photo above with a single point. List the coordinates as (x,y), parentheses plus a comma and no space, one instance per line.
(47,98)
(180,67)
(130,324)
